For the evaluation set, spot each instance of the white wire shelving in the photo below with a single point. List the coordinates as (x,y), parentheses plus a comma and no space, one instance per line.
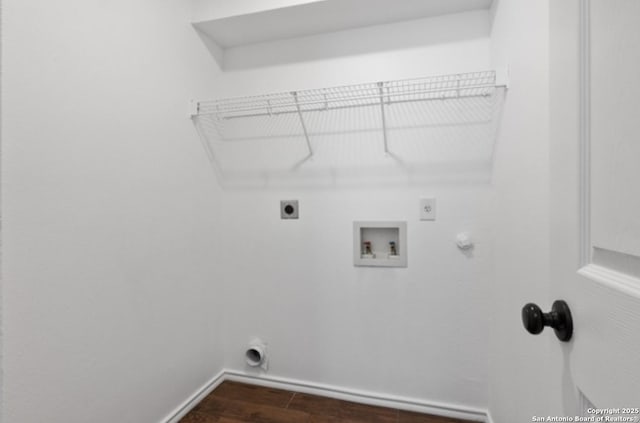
(441,118)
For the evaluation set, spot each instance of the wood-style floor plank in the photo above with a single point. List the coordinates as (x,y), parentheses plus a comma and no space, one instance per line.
(195,417)
(212,406)
(253,394)
(260,413)
(410,417)
(228,420)
(351,411)
(234,402)
(313,404)
(319,418)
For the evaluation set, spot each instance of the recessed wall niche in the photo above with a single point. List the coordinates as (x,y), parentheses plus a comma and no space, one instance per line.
(380,244)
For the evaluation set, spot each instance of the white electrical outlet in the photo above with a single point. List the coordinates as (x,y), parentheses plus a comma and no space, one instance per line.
(427,209)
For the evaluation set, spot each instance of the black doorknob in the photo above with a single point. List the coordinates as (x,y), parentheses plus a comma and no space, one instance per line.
(534,320)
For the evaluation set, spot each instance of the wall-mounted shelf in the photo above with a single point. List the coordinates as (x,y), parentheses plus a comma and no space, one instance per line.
(412,122)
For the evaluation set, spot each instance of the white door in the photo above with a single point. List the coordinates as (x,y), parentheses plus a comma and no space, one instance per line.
(595,213)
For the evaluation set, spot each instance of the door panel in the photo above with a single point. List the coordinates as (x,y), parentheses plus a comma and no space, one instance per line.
(604,357)
(595,197)
(615,120)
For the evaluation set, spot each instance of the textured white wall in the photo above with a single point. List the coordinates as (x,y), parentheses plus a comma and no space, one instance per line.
(110,308)
(519,362)
(420,332)
(119,247)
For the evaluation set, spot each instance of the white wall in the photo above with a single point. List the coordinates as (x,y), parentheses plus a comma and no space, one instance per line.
(419,332)
(110,308)
(356,56)
(402,40)
(1,219)
(518,370)
(118,246)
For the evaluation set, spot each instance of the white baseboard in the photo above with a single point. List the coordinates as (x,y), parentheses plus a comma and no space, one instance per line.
(489,418)
(364,397)
(191,402)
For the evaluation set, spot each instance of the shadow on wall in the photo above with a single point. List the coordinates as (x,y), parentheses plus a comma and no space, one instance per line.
(372,39)
(472,173)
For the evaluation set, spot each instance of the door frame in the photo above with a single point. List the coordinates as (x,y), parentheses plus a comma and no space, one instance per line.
(584,132)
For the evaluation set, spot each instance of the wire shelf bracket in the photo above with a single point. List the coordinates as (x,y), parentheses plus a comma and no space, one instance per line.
(384,118)
(304,127)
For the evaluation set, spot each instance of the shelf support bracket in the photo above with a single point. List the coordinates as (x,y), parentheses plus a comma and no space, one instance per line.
(384,118)
(304,126)
(194,108)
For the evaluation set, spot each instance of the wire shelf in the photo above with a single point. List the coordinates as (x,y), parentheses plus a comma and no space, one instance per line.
(442,118)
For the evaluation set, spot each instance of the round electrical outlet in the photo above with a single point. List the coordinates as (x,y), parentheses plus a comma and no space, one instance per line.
(289,209)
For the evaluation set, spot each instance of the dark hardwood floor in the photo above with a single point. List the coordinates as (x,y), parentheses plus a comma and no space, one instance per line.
(233,402)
